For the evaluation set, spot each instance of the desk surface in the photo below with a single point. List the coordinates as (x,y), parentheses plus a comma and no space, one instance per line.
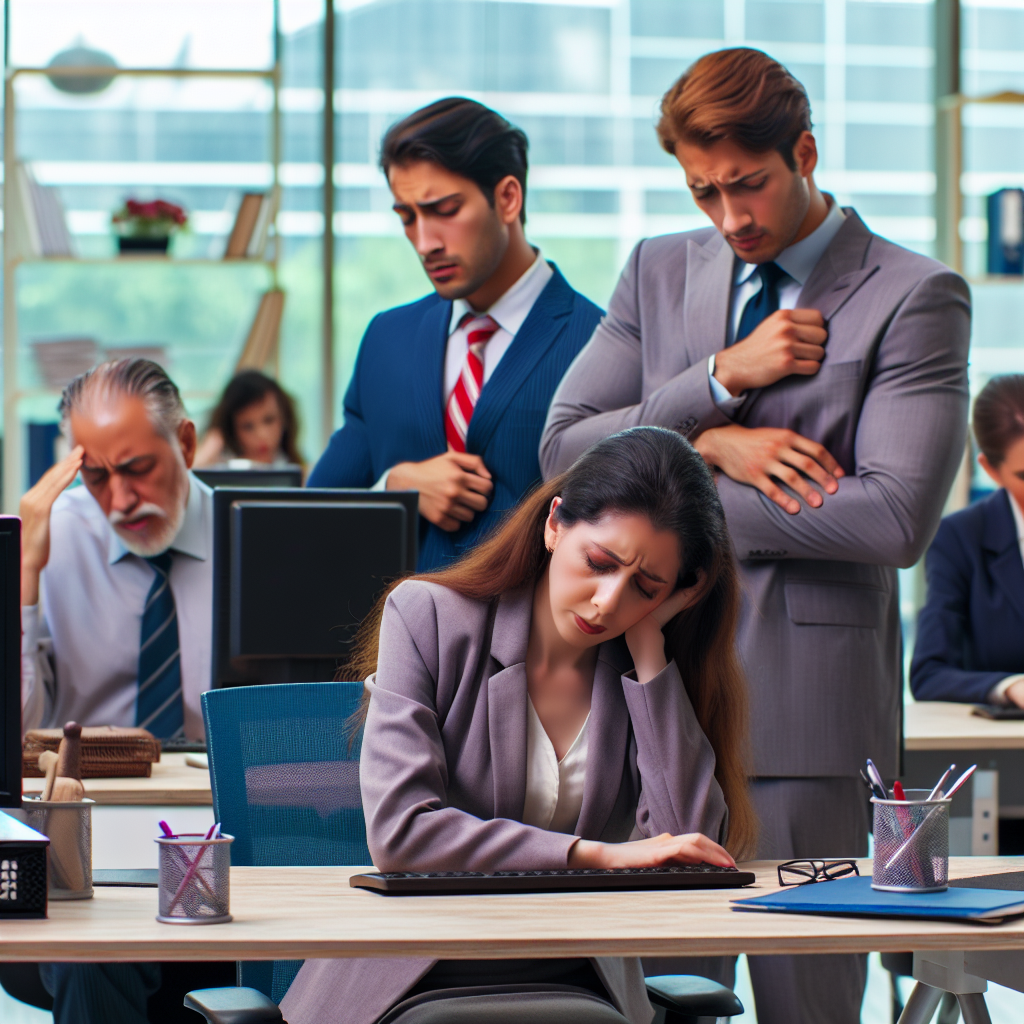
(939,725)
(293,913)
(172,784)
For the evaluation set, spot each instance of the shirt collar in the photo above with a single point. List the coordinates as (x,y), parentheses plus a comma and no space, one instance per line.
(801,258)
(514,306)
(191,538)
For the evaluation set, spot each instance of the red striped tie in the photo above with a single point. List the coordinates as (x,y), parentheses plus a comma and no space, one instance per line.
(464,395)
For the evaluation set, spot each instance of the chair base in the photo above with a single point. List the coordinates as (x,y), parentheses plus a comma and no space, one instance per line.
(234,1006)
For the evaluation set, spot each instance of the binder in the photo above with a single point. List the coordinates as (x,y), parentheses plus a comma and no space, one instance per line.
(1006,231)
(847,896)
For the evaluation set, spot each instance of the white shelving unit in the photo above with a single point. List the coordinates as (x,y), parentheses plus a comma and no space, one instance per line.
(14,254)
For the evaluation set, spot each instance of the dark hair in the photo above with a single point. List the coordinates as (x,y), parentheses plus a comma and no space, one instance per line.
(739,94)
(657,474)
(464,137)
(999,416)
(245,389)
(130,378)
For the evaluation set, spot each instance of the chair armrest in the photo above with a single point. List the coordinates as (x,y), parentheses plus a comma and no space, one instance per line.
(234,1006)
(693,996)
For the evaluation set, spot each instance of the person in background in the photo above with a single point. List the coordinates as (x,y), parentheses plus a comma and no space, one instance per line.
(449,394)
(823,371)
(565,695)
(970,633)
(117,594)
(255,420)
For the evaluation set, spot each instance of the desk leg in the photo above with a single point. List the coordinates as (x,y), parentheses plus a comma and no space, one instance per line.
(922,1004)
(985,814)
(973,1008)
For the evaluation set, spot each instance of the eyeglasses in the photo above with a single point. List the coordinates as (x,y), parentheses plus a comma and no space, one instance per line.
(804,872)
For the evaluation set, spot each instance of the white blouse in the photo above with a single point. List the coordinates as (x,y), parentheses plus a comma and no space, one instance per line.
(554,789)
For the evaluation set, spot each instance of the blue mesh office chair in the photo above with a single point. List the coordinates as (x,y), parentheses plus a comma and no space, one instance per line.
(284,768)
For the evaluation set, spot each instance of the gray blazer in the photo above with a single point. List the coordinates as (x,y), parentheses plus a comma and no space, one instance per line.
(820,630)
(443,775)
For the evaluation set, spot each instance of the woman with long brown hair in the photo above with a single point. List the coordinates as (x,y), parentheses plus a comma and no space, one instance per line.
(566,695)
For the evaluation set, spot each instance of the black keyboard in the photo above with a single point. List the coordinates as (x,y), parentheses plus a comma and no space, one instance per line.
(691,876)
(180,745)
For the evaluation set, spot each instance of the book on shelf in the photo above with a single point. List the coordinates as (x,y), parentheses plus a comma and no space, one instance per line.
(248,238)
(60,360)
(261,344)
(36,217)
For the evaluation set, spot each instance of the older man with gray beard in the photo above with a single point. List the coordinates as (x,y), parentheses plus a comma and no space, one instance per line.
(116,594)
(120,633)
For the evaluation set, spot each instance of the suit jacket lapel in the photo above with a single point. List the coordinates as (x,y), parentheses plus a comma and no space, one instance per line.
(545,321)
(606,744)
(707,298)
(1001,542)
(428,353)
(841,270)
(506,702)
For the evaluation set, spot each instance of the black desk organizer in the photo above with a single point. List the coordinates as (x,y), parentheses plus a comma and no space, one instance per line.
(22,869)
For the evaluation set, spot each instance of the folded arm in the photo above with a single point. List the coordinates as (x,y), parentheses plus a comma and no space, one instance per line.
(909,442)
(602,391)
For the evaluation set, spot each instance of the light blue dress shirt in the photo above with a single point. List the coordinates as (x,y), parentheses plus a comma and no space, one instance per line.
(80,644)
(798,261)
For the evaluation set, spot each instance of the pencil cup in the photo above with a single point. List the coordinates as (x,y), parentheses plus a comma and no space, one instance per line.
(911,843)
(68,826)
(194,879)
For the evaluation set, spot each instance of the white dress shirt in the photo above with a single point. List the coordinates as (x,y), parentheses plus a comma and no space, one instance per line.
(798,261)
(997,695)
(554,789)
(509,313)
(80,645)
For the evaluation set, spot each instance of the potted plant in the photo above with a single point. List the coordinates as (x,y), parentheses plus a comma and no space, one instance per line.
(147,227)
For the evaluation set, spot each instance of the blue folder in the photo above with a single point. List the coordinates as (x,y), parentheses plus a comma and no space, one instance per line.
(855,896)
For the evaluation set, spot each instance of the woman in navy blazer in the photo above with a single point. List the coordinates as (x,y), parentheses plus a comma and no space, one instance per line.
(554,624)
(970,634)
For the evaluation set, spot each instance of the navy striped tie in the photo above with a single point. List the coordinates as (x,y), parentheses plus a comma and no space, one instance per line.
(158,707)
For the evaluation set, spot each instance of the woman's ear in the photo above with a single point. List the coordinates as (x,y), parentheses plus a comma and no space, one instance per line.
(552,527)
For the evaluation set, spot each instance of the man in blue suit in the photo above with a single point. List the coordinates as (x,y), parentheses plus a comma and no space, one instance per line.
(450,393)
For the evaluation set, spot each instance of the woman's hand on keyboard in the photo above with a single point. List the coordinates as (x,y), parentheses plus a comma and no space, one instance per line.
(659,851)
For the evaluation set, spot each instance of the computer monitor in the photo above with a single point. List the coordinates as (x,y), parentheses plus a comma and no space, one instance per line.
(295,571)
(10,652)
(267,476)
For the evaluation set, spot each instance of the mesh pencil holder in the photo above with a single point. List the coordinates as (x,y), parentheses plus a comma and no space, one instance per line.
(68,826)
(911,843)
(194,879)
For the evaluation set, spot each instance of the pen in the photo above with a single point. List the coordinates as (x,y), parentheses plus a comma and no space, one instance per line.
(959,782)
(877,785)
(938,785)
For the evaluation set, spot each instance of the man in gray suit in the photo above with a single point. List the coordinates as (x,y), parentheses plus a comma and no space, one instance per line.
(823,371)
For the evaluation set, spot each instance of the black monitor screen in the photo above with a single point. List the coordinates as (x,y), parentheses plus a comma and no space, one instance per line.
(296,571)
(10,646)
(304,576)
(272,476)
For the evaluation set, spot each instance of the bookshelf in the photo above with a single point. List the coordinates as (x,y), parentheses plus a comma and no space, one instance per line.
(19,393)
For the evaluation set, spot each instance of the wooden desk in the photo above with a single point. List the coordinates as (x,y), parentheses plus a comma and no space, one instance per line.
(295,913)
(172,784)
(939,725)
(937,732)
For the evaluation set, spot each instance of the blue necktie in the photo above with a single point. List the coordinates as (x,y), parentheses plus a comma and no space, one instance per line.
(158,707)
(764,302)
